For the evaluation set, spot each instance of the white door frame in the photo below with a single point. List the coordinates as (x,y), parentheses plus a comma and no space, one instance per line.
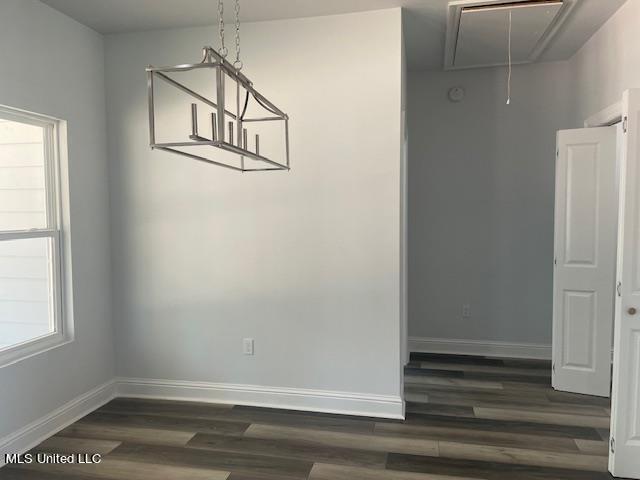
(606,117)
(609,116)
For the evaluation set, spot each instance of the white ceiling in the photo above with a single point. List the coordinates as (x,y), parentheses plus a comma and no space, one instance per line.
(425,21)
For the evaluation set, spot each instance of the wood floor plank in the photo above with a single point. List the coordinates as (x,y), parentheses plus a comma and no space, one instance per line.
(124,433)
(466,396)
(457,359)
(290,448)
(302,419)
(68,445)
(501,399)
(433,365)
(605,434)
(482,437)
(526,387)
(252,476)
(360,420)
(243,414)
(542,417)
(553,408)
(486,470)
(593,447)
(506,426)
(11,472)
(577,399)
(321,471)
(165,422)
(511,378)
(390,443)
(459,382)
(438,372)
(416,397)
(114,469)
(523,456)
(481,376)
(285,468)
(508,403)
(439,409)
(527,363)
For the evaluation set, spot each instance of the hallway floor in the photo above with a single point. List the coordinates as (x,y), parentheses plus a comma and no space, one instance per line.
(467,417)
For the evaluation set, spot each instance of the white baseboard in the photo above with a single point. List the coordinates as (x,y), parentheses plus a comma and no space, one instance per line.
(41,429)
(287,398)
(270,397)
(480,347)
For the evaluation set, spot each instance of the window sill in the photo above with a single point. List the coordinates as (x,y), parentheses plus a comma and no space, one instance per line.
(31,348)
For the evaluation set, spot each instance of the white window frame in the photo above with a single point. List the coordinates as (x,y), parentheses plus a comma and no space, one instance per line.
(59,314)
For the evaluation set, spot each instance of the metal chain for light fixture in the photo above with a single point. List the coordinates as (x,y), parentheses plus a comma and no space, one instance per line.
(223,50)
(238,63)
(510,62)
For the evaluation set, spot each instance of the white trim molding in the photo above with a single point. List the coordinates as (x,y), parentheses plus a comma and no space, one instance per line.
(480,347)
(454,11)
(41,429)
(347,403)
(604,118)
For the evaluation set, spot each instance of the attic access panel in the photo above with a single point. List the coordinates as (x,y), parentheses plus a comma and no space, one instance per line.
(478,30)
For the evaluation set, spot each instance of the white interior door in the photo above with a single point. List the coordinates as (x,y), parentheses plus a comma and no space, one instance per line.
(624,460)
(585,257)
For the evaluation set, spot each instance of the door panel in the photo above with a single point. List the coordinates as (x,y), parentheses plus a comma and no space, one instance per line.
(585,246)
(581,193)
(579,316)
(624,460)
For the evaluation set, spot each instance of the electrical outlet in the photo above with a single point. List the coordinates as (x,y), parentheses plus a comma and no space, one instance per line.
(466,311)
(247,346)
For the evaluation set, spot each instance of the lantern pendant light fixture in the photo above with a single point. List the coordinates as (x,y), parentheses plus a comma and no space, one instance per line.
(233,137)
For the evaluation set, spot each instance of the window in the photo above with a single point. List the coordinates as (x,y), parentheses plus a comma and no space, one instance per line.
(31,307)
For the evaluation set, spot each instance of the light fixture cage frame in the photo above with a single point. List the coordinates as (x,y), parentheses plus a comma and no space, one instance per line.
(222,138)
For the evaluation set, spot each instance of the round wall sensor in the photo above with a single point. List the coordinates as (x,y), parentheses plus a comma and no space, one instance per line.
(456,94)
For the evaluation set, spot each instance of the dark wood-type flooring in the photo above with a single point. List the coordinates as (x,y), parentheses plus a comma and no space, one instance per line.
(467,418)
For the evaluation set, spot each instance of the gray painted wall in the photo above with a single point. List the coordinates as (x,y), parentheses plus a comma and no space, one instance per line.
(607,64)
(482,181)
(307,262)
(481,194)
(54,66)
